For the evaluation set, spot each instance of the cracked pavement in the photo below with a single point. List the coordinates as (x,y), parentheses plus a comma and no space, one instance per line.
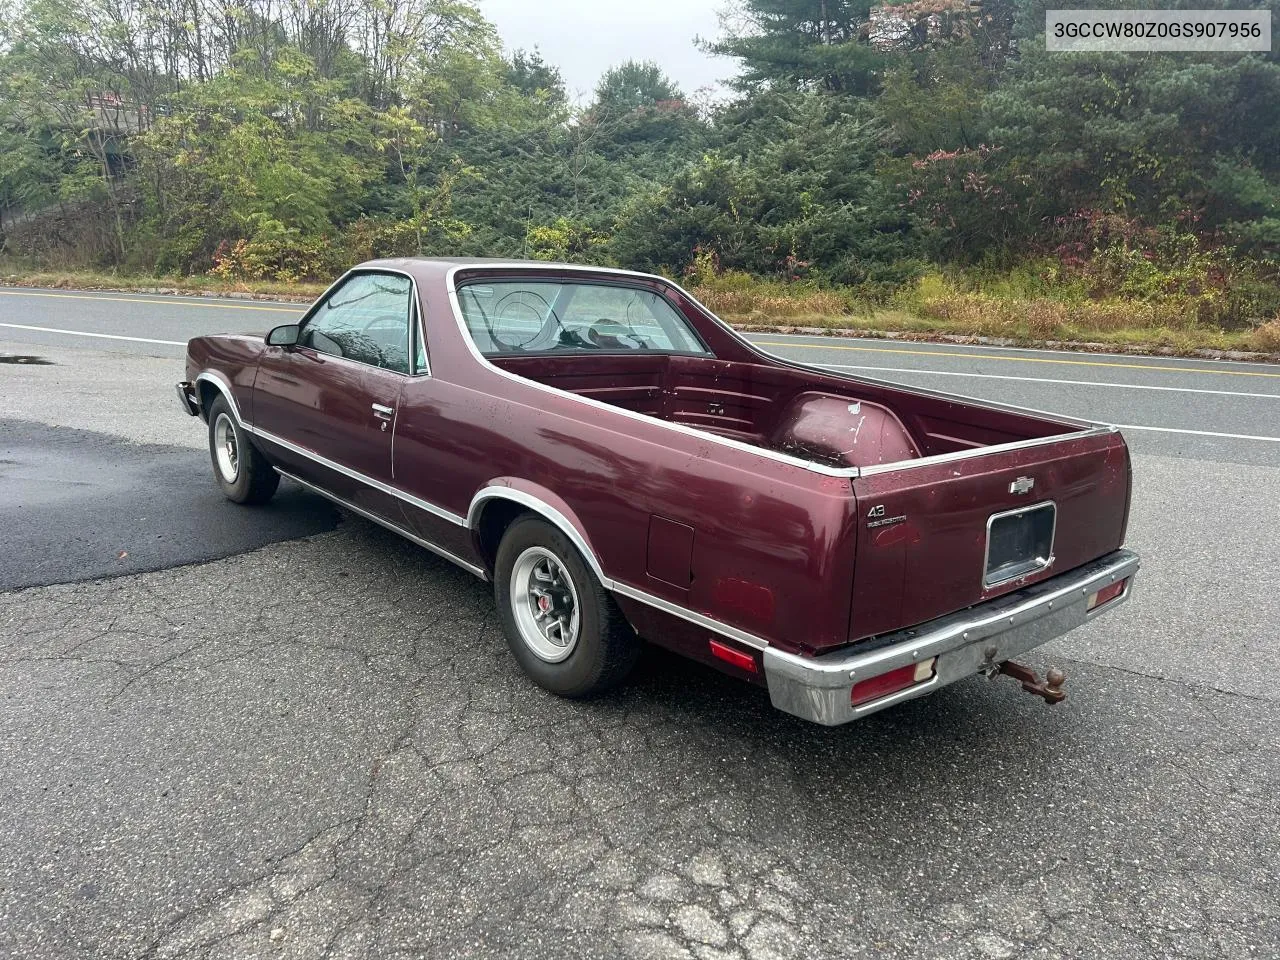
(321,748)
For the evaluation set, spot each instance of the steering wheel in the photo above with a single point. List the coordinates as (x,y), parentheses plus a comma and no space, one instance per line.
(608,334)
(527,307)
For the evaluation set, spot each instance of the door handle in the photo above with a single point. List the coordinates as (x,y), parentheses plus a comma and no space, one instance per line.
(382,412)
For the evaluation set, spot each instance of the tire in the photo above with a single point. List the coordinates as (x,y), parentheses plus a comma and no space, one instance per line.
(239,469)
(598,649)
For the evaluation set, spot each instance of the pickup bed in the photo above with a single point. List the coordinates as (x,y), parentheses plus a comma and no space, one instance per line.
(622,465)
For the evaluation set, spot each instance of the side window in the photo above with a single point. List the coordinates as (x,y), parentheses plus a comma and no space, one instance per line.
(366,319)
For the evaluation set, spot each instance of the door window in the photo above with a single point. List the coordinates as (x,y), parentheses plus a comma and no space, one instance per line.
(366,320)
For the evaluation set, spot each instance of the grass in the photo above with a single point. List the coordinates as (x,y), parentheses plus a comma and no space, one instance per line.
(1003,309)
(89,280)
(934,306)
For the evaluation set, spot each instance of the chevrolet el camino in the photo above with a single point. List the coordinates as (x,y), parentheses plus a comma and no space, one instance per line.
(624,467)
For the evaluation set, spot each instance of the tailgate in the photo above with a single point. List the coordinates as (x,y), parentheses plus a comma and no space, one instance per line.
(939,534)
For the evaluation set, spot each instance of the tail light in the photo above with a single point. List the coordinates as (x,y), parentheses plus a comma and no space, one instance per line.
(739,658)
(873,688)
(1107,594)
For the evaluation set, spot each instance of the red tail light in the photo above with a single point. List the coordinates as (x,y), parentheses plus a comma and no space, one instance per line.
(1107,594)
(873,688)
(739,658)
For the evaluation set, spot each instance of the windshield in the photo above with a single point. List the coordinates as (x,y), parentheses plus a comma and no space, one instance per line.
(543,316)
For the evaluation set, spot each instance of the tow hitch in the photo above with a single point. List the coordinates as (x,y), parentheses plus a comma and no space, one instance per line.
(1050,689)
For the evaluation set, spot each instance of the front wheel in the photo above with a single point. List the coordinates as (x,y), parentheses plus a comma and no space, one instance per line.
(241,471)
(562,626)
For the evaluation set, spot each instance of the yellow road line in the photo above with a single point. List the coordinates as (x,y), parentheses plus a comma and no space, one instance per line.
(992,356)
(168,303)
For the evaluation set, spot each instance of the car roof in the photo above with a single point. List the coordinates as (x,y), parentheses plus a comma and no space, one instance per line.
(437,266)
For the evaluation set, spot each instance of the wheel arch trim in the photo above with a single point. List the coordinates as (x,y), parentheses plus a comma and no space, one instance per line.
(538,502)
(223,387)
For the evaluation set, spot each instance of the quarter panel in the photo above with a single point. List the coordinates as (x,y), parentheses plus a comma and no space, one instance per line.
(761,523)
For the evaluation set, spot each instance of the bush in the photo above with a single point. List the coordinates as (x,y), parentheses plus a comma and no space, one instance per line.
(278,253)
(1266,338)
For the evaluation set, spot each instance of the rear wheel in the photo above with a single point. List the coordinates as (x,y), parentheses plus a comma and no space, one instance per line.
(562,626)
(241,471)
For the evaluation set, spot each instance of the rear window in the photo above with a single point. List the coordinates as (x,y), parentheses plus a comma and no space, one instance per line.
(507,317)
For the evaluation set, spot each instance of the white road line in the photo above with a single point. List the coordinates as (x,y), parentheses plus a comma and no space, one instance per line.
(1198,433)
(989,376)
(1071,383)
(100,336)
(947,345)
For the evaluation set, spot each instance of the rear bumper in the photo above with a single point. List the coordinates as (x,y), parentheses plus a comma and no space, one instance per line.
(187,397)
(964,643)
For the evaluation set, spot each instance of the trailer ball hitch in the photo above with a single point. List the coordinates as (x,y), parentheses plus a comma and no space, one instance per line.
(1051,687)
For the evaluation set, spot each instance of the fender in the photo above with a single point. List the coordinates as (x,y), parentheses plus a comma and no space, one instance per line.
(548,506)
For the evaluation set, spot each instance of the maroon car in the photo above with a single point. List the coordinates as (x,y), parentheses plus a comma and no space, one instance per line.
(622,465)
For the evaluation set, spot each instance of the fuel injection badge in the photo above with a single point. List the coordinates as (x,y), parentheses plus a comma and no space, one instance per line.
(876,518)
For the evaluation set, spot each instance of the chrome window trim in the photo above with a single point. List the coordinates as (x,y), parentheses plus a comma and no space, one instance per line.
(420,327)
(1088,428)
(1044,564)
(627,281)
(395,528)
(416,316)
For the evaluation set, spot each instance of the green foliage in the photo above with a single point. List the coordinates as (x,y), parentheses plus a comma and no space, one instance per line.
(929,153)
(634,85)
(531,76)
(792,193)
(816,45)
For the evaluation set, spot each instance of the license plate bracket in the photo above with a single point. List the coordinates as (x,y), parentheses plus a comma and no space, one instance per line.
(1019,542)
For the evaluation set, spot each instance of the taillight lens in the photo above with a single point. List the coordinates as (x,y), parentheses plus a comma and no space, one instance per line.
(873,688)
(1107,594)
(739,658)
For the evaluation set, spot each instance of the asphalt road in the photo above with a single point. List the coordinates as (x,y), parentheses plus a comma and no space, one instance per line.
(320,747)
(79,505)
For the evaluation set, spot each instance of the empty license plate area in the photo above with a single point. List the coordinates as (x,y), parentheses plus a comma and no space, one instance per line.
(1019,542)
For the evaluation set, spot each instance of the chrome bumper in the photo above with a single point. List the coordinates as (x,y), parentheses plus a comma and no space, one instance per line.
(965,643)
(187,397)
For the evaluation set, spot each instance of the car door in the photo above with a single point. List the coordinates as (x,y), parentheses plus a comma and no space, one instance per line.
(327,405)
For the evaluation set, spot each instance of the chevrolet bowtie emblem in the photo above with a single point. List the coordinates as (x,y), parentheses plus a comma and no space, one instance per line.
(1022,485)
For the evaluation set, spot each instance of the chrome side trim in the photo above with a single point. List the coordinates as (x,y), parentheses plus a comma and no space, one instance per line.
(451,284)
(954,455)
(395,528)
(562,523)
(966,642)
(361,477)
(692,616)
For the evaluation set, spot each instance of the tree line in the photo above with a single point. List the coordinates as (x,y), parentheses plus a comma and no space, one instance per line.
(861,143)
